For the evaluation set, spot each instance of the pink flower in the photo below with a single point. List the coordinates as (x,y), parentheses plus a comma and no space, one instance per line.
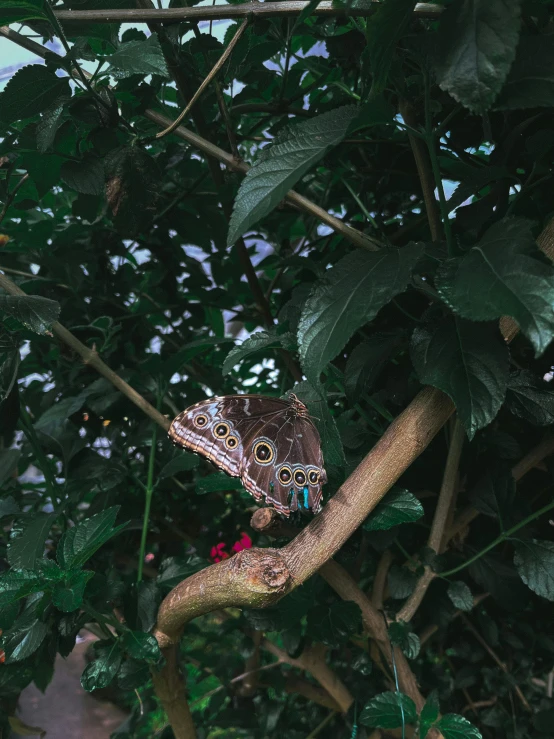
(244,543)
(218,552)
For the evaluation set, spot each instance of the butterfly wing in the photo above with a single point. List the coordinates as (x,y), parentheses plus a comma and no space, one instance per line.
(215,428)
(264,441)
(292,475)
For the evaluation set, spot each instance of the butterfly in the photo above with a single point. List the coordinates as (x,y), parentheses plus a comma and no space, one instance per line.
(270,443)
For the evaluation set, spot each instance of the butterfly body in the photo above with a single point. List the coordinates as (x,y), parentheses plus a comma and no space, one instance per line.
(270,443)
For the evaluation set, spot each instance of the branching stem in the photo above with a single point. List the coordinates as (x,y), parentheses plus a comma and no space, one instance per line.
(218,65)
(147,502)
(499,539)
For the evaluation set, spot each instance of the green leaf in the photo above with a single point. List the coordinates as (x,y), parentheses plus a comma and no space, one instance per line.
(100,672)
(256,342)
(401,582)
(17,584)
(26,543)
(216,483)
(139,57)
(37,314)
(133,674)
(505,274)
(389,711)
(534,560)
(79,543)
(305,13)
(9,367)
(148,601)
(501,580)
(60,411)
(366,362)
(468,361)
(477,43)
(141,646)
(398,506)
(475,179)
(530,83)
(401,636)
(429,714)
(19,11)
(453,726)
(20,643)
(30,91)
(184,462)
(494,492)
(351,295)
(334,624)
(292,154)
(86,175)
(460,595)
(8,507)
(331,445)
(68,595)
(384,29)
(174,570)
(50,122)
(530,398)
(9,459)
(133,184)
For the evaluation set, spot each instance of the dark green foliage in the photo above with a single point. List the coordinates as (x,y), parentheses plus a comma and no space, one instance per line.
(398,506)
(350,295)
(388,711)
(476,48)
(468,361)
(124,239)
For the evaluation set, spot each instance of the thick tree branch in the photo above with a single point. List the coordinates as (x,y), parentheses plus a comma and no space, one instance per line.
(348,589)
(289,8)
(335,694)
(170,689)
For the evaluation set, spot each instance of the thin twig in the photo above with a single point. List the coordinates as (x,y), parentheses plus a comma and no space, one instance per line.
(11,196)
(91,357)
(428,632)
(147,503)
(543,449)
(322,725)
(434,542)
(424,171)
(237,679)
(219,64)
(499,539)
(496,658)
(380,580)
(31,276)
(213,152)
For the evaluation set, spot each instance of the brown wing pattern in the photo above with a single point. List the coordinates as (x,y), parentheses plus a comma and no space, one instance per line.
(264,441)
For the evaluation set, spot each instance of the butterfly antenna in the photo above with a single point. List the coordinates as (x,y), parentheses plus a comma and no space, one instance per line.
(395,673)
